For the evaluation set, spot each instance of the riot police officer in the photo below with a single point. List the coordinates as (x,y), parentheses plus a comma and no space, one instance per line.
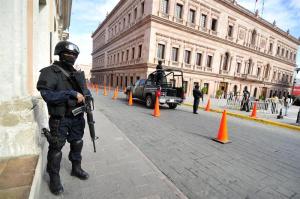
(197,95)
(245,100)
(62,96)
(159,73)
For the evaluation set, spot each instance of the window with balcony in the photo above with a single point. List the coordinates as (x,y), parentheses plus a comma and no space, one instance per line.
(142,8)
(175,54)
(187,57)
(267,71)
(226,61)
(274,75)
(249,67)
(287,54)
(118,58)
(135,13)
(203,20)
(258,72)
(230,31)
(209,61)
(282,52)
(133,51)
(127,55)
(295,57)
(238,67)
(179,9)
(199,59)
(129,19)
(278,50)
(161,51)
(271,47)
(253,37)
(140,51)
(192,16)
(165,6)
(123,56)
(214,23)
(124,23)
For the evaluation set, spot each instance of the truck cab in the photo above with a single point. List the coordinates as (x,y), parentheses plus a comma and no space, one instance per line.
(170,86)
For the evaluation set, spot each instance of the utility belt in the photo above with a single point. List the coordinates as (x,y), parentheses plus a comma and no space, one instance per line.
(65,110)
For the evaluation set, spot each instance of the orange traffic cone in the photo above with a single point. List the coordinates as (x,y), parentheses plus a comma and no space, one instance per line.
(130,99)
(156,112)
(97,89)
(253,114)
(223,134)
(207,108)
(114,96)
(117,92)
(104,92)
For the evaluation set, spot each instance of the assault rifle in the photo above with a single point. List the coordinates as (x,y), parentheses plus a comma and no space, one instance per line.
(88,107)
(77,79)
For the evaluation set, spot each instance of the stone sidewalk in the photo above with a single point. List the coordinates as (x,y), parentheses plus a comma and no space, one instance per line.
(118,169)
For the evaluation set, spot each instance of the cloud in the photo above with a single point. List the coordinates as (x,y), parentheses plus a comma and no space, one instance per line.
(285,13)
(85,18)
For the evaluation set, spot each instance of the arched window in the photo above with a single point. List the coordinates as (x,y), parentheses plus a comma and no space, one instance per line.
(253,37)
(235,90)
(226,61)
(255,92)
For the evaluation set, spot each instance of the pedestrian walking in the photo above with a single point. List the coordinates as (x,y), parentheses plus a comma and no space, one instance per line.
(62,96)
(197,95)
(288,101)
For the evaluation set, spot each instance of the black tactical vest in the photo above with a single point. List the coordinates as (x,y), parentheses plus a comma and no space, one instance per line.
(54,79)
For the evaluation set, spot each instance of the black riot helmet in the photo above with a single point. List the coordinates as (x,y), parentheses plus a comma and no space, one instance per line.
(66,46)
(67,51)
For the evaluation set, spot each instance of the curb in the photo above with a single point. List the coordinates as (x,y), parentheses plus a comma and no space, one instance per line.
(263,121)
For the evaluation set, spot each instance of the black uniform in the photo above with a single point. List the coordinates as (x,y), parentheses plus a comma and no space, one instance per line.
(159,74)
(197,94)
(60,94)
(245,101)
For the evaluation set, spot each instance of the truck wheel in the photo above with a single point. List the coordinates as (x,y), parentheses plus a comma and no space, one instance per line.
(149,101)
(172,106)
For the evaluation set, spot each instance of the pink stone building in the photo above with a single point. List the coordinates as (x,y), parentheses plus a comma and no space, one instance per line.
(216,43)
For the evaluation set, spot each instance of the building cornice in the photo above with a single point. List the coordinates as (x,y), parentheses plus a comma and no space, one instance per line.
(215,38)
(121,2)
(140,23)
(259,20)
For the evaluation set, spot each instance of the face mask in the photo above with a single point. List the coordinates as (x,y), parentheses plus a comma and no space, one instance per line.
(68,59)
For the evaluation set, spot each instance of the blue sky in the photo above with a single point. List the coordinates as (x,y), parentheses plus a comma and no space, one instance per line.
(88,14)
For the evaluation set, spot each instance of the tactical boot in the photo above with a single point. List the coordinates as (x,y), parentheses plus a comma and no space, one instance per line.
(75,158)
(78,171)
(53,167)
(55,185)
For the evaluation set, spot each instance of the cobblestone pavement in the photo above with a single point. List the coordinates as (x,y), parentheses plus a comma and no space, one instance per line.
(261,162)
(119,170)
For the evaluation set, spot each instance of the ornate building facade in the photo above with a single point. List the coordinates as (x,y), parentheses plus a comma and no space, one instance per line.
(216,43)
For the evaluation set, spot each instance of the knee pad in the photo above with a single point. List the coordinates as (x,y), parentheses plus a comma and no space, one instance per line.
(76,145)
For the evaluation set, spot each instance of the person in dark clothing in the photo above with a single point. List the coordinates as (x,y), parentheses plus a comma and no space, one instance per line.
(62,96)
(197,95)
(245,100)
(159,73)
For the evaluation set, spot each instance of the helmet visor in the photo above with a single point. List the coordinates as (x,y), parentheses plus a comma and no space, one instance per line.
(72,48)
